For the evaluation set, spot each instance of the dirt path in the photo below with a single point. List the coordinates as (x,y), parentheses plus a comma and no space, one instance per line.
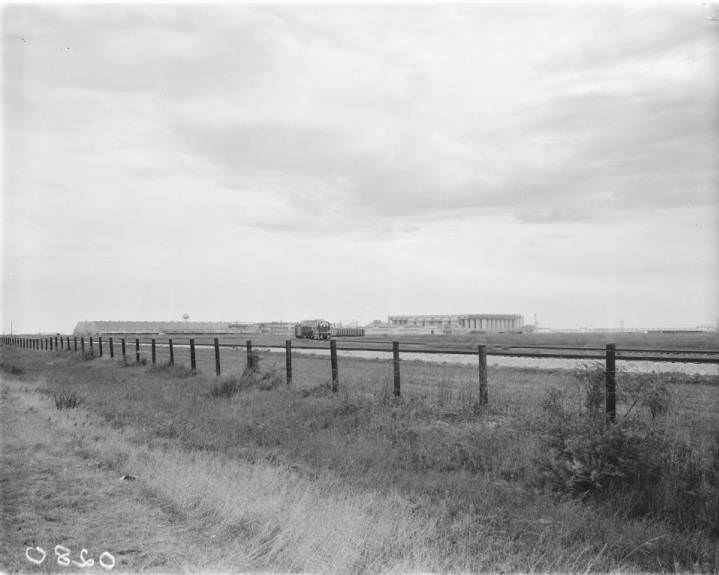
(54,491)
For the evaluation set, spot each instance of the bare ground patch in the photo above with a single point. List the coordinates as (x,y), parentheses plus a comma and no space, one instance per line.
(56,491)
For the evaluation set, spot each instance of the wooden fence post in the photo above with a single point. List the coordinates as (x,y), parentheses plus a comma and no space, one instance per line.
(92,349)
(99,345)
(193,363)
(250,363)
(333,363)
(137,350)
(55,343)
(217,357)
(68,342)
(124,350)
(74,337)
(154,353)
(395,361)
(62,344)
(610,382)
(288,360)
(82,344)
(482,360)
(172,353)
(112,349)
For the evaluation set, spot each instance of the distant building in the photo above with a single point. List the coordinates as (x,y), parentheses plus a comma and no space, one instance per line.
(459,323)
(277,328)
(160,327)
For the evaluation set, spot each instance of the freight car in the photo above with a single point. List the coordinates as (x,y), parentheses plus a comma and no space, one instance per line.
(347,331)
(313,329)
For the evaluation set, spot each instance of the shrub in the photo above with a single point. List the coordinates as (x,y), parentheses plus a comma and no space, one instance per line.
(127,361)
(637,464)
(591,381)
(88,355)
(253,376)
(11,369)
(66,400)
(648,391)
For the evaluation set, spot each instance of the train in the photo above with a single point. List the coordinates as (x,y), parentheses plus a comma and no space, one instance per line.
(321,329)
(313,329)
(347,331)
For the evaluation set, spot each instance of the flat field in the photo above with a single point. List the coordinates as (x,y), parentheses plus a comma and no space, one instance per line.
(688,340)
(245,473)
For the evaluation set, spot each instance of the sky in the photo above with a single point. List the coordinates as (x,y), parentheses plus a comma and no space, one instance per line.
(256,163)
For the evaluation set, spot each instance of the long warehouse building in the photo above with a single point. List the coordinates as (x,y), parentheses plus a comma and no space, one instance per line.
(459,322)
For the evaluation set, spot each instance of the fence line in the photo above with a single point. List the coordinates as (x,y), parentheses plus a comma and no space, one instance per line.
(669,358)
(610,357)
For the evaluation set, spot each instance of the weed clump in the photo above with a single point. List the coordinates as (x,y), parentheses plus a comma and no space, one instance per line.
(88,355)
(636,463)
(254,376)
(66,400)
(11,369)
(172,370)
(126,361)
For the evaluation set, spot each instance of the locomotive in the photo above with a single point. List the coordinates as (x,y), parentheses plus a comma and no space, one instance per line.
(321,329)
(313,329)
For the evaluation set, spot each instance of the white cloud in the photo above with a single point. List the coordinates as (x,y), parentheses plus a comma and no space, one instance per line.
(402,136)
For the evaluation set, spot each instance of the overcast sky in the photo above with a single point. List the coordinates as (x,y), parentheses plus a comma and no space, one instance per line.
(279,163)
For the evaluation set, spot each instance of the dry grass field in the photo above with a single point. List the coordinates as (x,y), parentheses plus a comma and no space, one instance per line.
(243,473)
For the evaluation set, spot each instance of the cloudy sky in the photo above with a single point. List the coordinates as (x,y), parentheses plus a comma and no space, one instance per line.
(252,162)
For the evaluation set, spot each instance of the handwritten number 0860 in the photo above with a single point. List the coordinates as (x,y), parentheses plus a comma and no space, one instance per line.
(37,555)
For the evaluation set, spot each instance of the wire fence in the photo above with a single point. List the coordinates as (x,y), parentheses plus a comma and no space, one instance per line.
(300,358)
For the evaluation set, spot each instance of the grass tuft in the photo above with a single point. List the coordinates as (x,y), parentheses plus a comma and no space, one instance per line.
(172,370)
(11,369)
(253,377)
(88,355)
(127,361)
(66,400)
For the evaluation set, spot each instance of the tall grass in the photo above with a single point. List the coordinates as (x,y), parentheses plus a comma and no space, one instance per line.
(466,488)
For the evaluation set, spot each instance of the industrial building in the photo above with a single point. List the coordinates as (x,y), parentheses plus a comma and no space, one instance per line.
(459,323)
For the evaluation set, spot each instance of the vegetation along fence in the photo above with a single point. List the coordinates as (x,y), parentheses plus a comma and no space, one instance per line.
(609,355)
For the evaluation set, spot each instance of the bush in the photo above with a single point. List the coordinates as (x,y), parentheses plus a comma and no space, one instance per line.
(648,391)
(637,463)
(591,381)
(66,400)
(127,361)
(253,376)
(11,369)
(88,355)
